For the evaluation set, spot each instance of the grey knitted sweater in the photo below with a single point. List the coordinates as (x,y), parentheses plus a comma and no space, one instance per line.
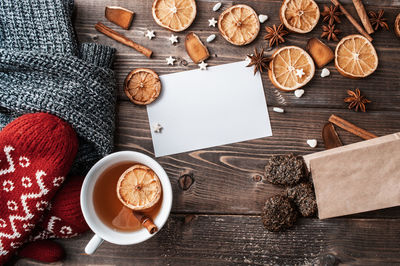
(44,69)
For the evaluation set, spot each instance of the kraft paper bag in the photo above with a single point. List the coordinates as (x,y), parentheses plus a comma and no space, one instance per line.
(355,178)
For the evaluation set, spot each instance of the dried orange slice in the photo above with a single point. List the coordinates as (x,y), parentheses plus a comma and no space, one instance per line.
(139,188)
(291,68)
(239,24)
(142,86)
(300,16)
(355,57)
(175,15)
(397,25)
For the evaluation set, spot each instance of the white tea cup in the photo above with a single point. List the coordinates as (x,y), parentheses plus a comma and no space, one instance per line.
(102,231)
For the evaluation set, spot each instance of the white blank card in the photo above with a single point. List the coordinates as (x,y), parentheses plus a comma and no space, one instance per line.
(204,108)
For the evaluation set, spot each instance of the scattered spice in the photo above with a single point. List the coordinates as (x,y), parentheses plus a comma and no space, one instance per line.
(320,52)
(275,34)
(346,125)
(330,136)
(286,170)
(119,16)
(304,198)
(278,213)
(195,48)
(330,32)
(259,61)
(331,14)
(352,20)
(377,20)
(356,100)
(122,39)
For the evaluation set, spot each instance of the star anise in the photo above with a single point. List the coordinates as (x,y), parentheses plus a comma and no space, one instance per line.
(377,20)
(259,61)
(330,32)
(331,14)
(356,100)
(275,34)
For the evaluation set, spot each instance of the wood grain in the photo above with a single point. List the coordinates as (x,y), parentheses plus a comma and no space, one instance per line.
(226,174)
(320,92)
(232,240)
(228,192)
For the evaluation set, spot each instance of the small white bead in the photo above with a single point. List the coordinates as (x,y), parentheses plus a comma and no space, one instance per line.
(217,6)
(211,38)
(312,143)
(325,72)
(262,18)
(278,110)
(298,93)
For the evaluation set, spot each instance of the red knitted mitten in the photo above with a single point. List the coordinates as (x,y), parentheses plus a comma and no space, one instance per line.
(64,219)
(36,152)
(42,250)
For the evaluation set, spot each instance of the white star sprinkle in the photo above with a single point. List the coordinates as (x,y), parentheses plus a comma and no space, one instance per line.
(170,60)
(150,34)
(300,72)
(157,128)
(212,22)
(173,39)
(203,66)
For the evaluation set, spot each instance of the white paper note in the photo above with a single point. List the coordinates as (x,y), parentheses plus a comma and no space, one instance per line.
(204,108)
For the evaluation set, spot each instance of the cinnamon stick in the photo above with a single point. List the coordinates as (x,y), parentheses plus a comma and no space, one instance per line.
(352,20)
(358,4)
(146,222)
(122,39)
(340,122)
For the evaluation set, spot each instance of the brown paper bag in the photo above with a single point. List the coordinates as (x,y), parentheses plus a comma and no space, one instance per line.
(355,178)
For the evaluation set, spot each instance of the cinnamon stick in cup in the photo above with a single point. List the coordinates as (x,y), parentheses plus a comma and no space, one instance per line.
(122,39)
(139,189)
(147,222)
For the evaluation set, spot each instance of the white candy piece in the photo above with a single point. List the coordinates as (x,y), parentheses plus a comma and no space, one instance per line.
(325,72)
(312,143)
(278,110)
(211,38)
(157,128)
(212,22)
(173,39)
(150,34)
(262,18)
(217,6)
(298,93)
(170,60)
(203,66)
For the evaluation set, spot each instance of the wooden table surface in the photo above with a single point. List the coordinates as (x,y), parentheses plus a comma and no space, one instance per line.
(217,220)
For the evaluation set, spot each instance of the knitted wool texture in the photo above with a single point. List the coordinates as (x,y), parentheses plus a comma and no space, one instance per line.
(43,69)
(36,153)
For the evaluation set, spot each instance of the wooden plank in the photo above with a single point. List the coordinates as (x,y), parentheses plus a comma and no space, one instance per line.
(225,174)
(229,240)
(381,87)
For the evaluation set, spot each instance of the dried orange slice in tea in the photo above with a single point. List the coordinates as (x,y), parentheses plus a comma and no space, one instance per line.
(139,188)
(355,57)
(142,86)
(239,24)
(175,15)
(300,16)
(291,68)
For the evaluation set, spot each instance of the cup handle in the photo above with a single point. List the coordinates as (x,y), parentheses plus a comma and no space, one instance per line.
(93,244)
